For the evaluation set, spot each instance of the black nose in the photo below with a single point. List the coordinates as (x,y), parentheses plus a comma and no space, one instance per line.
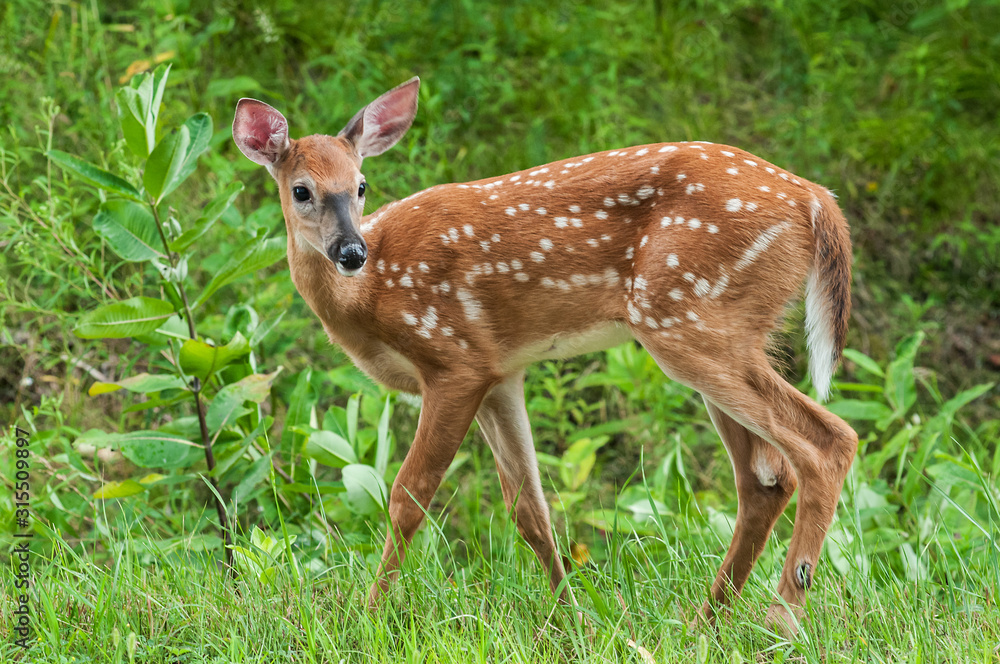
(351,255)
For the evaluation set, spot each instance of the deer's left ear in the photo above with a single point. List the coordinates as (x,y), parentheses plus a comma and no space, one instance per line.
(260,132)
(379,125)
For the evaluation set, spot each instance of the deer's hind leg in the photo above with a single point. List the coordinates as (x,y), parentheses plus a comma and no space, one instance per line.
(503,419)
(764,482)
(734,374)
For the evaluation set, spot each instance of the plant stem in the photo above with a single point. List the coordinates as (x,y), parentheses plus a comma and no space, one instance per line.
(196,386)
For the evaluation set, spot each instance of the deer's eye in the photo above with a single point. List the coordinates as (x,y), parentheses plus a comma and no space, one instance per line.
(361,189)
(300,193)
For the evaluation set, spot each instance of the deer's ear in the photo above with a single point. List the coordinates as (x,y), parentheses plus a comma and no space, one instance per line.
(260,132)
(379,125)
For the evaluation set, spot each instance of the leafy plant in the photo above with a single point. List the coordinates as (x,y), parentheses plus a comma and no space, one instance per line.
(216,380)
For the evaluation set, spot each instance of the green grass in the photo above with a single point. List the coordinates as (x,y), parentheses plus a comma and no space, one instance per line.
(892,105)
(462,600)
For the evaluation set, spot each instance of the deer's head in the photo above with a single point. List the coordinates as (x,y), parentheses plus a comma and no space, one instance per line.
(319,177)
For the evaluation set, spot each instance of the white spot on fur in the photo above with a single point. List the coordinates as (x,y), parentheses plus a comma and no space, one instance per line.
(672,260)
(654,170)
(469,231)
(575,209)
(541,210)
(760,245)
(502,267)
(609,202)
(643,241)
(537,256)
(732,171)
(601,214)
(521,276)
(694,223)
(668,148)
(409,318)
(676,294)
(406,280)
(510,211)
(629,253)
(727,153)
(473,309)
(645,192)
(712,228)
(546,244)
(516,264)
(734,205)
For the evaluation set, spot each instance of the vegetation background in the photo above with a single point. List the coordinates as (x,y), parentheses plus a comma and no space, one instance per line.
(893,105)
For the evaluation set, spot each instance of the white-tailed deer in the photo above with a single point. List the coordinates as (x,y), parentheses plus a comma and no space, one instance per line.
(693,249)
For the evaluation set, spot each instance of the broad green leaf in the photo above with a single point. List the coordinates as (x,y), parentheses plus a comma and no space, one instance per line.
(199,128)
(94,175)
(353,408)
(143,383)
(151,478)
(225,459)
(208,217)
(329,449)
(259,469)
(130,230)
(165,163)
(863,361)
(199,359)
(258,253)
(123,319)
(119,490)
(148,449)
(900,385)
(132,118)
(229,401)
(365,491)
(853,409)
(578,460)
(382,447)
(264,329)
(159,86)
(262,540)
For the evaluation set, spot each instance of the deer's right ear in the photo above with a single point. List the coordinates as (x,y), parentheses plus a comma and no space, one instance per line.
(260,132)
(379,125)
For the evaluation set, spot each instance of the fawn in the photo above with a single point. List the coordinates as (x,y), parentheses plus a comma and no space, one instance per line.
(692,249)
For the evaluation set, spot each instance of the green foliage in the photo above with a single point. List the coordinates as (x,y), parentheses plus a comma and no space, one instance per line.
(160,268)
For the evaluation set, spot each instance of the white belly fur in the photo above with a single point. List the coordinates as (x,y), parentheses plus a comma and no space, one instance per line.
(560,346)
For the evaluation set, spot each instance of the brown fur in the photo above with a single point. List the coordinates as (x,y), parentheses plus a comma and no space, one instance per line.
(463,288)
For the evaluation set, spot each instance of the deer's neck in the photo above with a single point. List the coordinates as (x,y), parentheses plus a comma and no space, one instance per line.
(340,302)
